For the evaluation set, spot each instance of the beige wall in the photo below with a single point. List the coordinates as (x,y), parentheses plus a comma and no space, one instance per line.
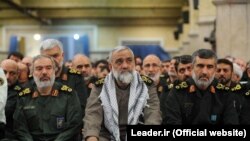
(103,38)
(1,38)
(109,36)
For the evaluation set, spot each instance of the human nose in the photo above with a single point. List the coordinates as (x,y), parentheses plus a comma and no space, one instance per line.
(204,70)
(44,71)
(125,65)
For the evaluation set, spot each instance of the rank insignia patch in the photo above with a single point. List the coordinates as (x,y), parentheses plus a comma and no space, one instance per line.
(59,122)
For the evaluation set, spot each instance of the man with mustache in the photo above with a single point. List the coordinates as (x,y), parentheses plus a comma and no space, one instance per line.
(47,110)
(120,99)
(201,99)
(152,68)
(10,68)
(183,68)
(67,76)
(224,75)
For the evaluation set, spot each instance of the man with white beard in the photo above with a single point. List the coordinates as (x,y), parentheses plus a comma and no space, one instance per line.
(152,68)
(201,99)
(120,99)
(47,110)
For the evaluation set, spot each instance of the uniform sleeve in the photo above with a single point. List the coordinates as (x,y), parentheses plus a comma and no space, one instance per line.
(21,128)
(230,115)
(173,109)
(81,90)
(94,114)
(74,118)
(152,113)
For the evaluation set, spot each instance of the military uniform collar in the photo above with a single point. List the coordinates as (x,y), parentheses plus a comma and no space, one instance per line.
(54,91)
(63,75)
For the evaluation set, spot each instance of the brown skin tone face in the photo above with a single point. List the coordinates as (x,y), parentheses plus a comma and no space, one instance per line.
(57,54)
(123,61)
(10,69)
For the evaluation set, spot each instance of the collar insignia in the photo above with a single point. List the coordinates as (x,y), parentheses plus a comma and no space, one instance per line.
(65,77)
(54,93)
(35,94)
(212,89)
(192,89)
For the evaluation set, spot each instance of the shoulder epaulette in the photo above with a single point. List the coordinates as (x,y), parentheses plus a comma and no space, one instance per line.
(236,88)
(181,85)
(220,86)
(66,88)
(147,80)
(99,82)
(17,88)
(170,86)
(74,71)
(24,92)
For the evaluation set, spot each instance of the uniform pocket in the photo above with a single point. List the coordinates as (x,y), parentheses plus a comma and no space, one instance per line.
(32,118)
(57,120)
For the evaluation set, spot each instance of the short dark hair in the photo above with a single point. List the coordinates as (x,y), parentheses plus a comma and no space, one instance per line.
(184,59)
(166,61)
(204,54)
(102,61)
(225,61)
(15,53)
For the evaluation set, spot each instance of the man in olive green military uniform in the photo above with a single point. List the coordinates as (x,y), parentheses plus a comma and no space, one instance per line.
(83,64)
(244,112)
(64,75)
(47,110)
(224,74)
(10,68)
(119,100)
(201,99)
(183,67)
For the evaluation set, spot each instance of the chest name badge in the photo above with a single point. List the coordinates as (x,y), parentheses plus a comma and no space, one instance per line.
(59,122)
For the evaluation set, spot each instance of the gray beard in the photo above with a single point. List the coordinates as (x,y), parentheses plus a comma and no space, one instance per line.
(200,83)
(125,77)
(44,84)
(154,77)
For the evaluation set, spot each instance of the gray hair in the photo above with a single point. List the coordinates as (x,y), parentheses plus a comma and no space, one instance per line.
(237,70)
(40,57)
(118,49)
(50,43)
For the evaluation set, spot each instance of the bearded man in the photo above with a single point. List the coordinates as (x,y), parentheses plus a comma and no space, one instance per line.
(120,99)
(152,68)
(201,99)
(47,110)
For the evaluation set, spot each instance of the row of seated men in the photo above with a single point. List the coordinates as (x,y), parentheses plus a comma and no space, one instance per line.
(186,94)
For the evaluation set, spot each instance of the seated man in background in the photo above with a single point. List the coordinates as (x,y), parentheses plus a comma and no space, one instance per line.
(201,99)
